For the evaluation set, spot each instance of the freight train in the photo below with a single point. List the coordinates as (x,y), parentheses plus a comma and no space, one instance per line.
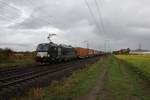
(51,52)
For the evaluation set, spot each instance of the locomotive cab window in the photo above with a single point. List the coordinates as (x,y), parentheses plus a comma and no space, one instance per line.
(43,47)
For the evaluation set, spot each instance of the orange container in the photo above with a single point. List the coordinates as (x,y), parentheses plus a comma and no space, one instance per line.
(81,52)
(96,52)
(91,52)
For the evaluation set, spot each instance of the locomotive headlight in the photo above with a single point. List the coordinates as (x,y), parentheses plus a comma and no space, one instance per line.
(42,54)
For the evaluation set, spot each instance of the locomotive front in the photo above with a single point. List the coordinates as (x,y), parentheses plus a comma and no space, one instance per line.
(46,52)
(42,52)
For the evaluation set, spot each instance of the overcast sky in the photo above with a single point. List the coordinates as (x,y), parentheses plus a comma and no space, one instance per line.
(116,23)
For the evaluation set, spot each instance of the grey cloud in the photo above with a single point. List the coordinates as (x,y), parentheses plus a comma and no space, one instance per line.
(126,23)
(54,15)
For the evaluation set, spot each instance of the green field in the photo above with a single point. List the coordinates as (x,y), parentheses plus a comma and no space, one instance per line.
(139,63)
(124,81)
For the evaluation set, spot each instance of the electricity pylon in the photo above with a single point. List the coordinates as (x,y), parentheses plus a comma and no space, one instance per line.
(87,43)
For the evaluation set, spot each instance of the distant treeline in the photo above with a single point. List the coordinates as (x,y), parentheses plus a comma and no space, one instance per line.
(7,53)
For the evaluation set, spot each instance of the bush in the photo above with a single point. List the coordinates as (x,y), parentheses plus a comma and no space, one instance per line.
(5,53)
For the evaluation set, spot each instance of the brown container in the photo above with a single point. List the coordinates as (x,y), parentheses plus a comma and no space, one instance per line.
(82,52)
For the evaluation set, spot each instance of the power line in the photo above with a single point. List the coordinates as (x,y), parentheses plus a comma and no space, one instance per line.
(10,17)
(99,7)
(44,20)
(100,15)
(6,6)
(92,14)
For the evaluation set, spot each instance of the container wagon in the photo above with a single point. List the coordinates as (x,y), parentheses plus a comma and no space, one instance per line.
(82,52)
(91,53)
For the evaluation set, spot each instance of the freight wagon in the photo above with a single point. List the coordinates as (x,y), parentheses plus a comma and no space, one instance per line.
(82,52)
(91,52)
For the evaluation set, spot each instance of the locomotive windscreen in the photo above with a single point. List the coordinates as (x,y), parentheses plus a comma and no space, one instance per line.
(42,47)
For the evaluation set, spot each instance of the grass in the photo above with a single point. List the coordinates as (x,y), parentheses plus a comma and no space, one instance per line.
(10,59)
(140,63)
(122,82)
(17,63)
(78,84)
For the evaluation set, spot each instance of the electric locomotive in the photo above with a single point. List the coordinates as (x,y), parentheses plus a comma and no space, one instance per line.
(51,52)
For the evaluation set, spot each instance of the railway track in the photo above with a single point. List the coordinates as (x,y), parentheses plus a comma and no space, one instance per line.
(16,81)
(17,70)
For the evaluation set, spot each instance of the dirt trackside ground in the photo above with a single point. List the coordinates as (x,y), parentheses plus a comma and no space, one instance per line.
(95,92)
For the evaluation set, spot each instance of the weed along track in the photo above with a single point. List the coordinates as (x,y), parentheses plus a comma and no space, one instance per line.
(17,81)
